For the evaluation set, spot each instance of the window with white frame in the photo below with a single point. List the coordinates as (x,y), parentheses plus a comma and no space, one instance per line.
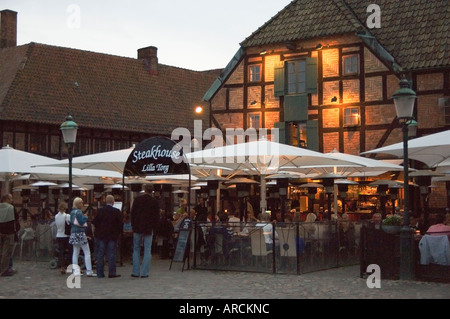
(351,64)
(296,77)
(254,120)
(352,117)
(255,73)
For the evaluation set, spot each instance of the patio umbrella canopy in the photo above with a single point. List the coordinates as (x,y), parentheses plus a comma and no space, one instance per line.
(110,161)
(13,162)
(431,149)
(262,158)
(357,164)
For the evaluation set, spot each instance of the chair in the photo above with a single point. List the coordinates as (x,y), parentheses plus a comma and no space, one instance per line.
(28,235)
(258,244)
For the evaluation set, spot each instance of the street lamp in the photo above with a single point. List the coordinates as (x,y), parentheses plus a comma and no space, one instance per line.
(69,131)
(404,100)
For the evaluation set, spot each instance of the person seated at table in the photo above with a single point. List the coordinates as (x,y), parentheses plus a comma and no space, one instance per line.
(267,227)
(377,219)
(234,223)
(250,224)
(310,227)
(346,232)
(439,228)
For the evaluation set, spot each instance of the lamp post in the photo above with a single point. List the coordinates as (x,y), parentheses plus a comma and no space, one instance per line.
(69,131)
(404,100)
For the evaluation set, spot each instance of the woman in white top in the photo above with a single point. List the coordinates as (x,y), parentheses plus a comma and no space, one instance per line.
(61,219)
(267,227)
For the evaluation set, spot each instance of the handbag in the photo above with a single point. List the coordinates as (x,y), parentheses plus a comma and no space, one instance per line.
(67,229)
(76,223)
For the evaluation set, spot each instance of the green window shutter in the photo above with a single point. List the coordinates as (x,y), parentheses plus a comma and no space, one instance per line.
(312,135)
(311,75)
(296,108)
(280,80)
(282,127)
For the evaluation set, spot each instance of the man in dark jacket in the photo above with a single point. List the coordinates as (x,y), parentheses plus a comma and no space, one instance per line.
(7,233)
(108,227)
(145,216)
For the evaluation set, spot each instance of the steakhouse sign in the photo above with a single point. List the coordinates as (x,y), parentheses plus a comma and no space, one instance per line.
(156,156)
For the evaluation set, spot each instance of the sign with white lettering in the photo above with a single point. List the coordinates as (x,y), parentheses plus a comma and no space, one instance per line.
(156,156)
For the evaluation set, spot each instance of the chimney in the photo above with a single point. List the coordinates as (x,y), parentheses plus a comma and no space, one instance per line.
(8,29)
(150,57)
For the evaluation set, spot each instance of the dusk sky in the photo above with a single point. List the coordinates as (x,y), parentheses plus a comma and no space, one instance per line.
(196,34)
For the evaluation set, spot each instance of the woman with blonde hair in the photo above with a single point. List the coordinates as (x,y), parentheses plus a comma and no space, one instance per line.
(79,239)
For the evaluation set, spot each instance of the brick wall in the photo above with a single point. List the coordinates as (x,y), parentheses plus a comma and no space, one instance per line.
(352,143)
(330,142)
(429,114)
(236,98)
(271,119)
(220,100)
(432,81)
(374,88)
(237,77)
(380,114)
(254,97)
(331,118)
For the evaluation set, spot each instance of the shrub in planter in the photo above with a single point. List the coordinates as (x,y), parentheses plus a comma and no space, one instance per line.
(392,225)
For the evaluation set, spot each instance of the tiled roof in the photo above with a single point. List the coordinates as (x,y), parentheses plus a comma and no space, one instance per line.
(43,84)
(415,32)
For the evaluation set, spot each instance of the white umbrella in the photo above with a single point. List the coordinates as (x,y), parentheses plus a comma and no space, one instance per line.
(431,149)
(358,165)
(261,158)
(13,162)
(109,161)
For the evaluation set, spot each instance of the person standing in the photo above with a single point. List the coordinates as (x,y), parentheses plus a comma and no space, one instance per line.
(108,227)
(79,239)
(61,220)
(7,233)
(145,215)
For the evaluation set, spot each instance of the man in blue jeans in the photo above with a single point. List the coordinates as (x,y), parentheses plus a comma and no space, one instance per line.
(144,221)
(108,227)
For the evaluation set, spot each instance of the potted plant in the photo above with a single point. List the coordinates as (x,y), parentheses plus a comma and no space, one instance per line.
(392,224)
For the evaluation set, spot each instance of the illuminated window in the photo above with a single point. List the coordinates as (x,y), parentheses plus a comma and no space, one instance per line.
(351,117)
(254,121)
(255,73)
(297,134)
(296,77)
(351,64)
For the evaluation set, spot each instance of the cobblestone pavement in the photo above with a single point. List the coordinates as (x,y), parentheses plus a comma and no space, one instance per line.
(35,280)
